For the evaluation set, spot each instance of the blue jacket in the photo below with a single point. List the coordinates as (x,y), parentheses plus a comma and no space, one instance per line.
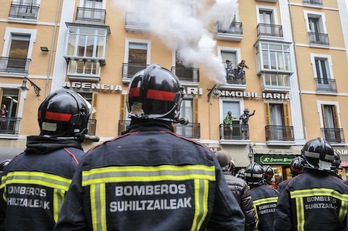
(150,179)
(34,184)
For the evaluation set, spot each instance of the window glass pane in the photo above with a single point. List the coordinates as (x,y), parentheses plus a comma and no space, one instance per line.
(234,107)
(137,53)
(19,46)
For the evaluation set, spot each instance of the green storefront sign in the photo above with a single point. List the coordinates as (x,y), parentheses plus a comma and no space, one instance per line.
(274,159)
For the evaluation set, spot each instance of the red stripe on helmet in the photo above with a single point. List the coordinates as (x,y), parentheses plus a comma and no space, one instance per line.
(135,91)
(160,95)
(57,116)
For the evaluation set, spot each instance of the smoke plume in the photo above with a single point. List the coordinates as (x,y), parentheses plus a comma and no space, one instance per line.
(186,27)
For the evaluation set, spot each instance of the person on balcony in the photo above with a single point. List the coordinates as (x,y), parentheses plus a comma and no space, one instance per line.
(240,69)
(229,70)
(3,112)
(228,127)
(245,122)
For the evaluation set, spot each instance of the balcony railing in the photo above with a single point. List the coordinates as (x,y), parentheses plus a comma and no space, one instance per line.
(14,65)
(91,15)
(191,130)
(271,81)
(186,74)
(234,28)
(333,135)
(328,85)
(279,133)
(313,2)
(24,11)
(92,127)
(264,29)
(318,38)
(10,125)
(236,131)
(130,69)
(235,77)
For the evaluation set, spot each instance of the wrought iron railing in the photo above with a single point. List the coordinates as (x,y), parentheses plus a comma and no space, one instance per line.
(26,11)
(235,77)
(318,38)
(279,133)
(328,85)
(234,28)
(130,69)
(10,125)
(234,131)
(333,135)
(90,15)
(187,74)
(191,130)
(14,65)
(269,30)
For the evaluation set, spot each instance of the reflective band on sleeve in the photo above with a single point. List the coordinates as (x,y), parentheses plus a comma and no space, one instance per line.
(144,174)
(38,178)
(58,199)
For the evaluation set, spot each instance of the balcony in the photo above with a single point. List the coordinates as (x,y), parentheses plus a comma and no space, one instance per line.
(315,38)
(233,33)
(313,2)
(135,23)
(326,85)
(90,15)
(236,133)
(14,65)
(92,127)
(271,1)
(264,29)
(191,130)
(186,74)
(10,125)
(333,135)
(276,134)
(130,69)
(24,11)
(275,82)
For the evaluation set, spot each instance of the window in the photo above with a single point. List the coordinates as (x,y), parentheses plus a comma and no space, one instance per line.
(316,29)
(321,68)
(186,73)
(137,58)
(9,122)
(24,9)
(17,58)
(91,10)
(278,122)
(186,112)
(85,50)
(331,129)
(92,122)
(233,131)
(323,73)
(266,21)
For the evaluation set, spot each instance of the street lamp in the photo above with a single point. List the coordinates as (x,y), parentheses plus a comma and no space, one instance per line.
(24,87)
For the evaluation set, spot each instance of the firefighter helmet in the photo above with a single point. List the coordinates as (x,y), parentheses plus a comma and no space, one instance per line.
(232,167)
(296,166)
(268,174)
(254,174)
(64,113)
(155,93)
(336,163)
(241,173)
(318,154)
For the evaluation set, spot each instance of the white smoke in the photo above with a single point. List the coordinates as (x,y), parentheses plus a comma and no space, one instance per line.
(187,28)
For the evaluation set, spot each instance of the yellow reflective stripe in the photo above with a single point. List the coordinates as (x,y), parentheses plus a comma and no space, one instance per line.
(319,192)
(98,207)
(144,174)
(265,201)
(38,178)
(300,214)
(58,199)
(201,203)
(257,219)
(343,211)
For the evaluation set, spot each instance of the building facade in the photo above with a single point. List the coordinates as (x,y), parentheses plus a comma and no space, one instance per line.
(295,52)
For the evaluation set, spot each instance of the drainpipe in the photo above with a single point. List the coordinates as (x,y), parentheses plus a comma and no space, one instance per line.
(53,42)
(298,73)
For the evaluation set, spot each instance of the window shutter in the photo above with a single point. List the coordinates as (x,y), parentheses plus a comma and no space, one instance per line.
(195,110)
(267,111)
(324,115)
(123,107)
(286,111)
(335,116)
(94,104)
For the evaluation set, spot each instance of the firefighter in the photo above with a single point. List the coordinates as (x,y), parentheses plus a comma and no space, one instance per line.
(268,174)
(264,197)
(34,183)
(317,199)
(149,178)
(296,168)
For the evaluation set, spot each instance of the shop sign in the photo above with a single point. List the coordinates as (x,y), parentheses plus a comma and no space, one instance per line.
(341,151)
(274,159)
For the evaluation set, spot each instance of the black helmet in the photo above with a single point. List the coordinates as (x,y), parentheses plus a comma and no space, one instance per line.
(336,163)
(241,173)
(296,166)
(64,113)
(268,173)
(254,174)
(155,93)
(318,154)
(3,164)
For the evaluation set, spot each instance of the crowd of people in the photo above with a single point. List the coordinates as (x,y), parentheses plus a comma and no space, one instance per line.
(149,178)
